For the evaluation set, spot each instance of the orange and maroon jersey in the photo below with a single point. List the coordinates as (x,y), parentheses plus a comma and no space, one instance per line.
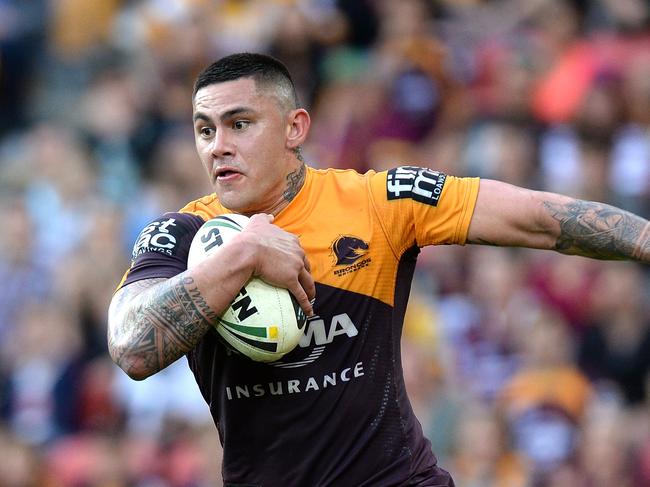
(334,411)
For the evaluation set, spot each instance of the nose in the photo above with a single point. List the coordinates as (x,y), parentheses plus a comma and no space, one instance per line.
(222,145)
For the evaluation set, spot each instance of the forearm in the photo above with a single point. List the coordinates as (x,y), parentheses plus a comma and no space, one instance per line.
(599,231)
(157,326)
(154,322)
(511,216)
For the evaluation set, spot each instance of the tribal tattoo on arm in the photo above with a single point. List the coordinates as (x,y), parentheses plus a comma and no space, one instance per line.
(600,231)
(156,321)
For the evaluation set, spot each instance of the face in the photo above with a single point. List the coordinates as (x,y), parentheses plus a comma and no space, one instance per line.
(245,141)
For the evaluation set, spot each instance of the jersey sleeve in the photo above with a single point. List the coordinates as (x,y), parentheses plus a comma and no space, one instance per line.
(162,247)
(420,206)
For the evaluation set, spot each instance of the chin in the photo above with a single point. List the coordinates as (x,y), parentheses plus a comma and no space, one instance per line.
(230,199)
(245,204)
(235,208)
(236,205)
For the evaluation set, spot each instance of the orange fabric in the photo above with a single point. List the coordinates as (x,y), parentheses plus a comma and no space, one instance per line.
(358,207)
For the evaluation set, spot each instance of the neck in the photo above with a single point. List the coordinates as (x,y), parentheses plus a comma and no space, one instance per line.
(294,182)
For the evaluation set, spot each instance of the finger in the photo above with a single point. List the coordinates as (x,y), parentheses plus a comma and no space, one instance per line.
(307,264)
(306,280)
(300,295)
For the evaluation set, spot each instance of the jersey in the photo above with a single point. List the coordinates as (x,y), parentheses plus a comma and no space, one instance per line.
(334,411)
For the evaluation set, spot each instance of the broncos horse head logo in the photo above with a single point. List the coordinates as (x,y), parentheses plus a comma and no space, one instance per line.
(348,249)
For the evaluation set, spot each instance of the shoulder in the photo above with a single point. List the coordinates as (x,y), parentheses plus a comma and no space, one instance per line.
(166,233)
(341,174)
(206,207)
(343,177)
(174,226)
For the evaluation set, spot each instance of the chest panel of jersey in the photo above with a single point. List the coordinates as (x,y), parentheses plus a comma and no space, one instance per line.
(353,236)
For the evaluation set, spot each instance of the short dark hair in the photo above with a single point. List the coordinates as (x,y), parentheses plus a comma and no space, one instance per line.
(264,69)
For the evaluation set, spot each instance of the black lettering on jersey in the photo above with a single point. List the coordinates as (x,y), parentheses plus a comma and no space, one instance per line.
(418,183)
(160,236)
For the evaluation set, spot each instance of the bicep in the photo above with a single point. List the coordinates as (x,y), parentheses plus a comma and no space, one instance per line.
(123,299)
(507,215)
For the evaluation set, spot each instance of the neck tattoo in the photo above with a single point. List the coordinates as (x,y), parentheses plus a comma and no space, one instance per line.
(295,180)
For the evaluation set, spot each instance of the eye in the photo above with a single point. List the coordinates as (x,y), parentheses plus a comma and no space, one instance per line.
(240,124)
(206,132)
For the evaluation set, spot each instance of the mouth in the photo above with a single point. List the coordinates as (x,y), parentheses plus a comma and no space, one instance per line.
(226,174)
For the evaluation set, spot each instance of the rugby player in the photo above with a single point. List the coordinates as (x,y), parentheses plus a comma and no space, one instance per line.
(334,411)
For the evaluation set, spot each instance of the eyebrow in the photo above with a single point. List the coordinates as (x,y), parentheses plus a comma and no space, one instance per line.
(224,116)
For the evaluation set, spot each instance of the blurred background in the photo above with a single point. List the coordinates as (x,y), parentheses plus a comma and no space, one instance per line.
(526,368)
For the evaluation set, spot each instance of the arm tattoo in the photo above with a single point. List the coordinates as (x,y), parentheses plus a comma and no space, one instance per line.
(295,180)
(600,231)
(159,325)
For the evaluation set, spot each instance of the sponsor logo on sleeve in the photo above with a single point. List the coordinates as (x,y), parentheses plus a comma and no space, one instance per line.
(419,184)
(159,236)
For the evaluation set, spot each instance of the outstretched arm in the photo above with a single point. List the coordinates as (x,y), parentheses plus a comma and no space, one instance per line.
(511,216)
(153,322)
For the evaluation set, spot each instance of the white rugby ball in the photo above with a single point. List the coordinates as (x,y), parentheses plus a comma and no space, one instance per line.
(263,322)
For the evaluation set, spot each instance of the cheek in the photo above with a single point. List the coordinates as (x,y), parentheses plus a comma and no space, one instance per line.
(204,156)
(271,152)
(205,166)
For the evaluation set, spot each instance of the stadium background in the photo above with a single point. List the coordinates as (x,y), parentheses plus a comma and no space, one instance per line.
(525,367)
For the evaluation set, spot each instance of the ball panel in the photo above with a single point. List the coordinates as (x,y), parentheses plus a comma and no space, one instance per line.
(251,349)
(254,331)
(263,322)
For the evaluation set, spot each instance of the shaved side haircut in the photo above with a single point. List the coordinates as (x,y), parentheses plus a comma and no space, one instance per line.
(268,73)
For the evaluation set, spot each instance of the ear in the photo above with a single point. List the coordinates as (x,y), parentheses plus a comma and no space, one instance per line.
(297,128)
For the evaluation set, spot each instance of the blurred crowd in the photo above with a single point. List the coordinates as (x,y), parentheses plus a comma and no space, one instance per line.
(526,368)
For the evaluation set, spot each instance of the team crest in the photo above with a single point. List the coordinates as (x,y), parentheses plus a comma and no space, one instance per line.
(347,249)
